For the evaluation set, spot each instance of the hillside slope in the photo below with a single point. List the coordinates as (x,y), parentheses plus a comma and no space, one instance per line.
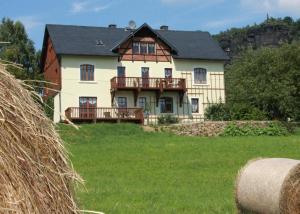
(271,33)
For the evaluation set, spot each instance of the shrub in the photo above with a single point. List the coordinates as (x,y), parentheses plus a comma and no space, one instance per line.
(245,112)
(48,107)
(217,112)
(167,119)
(272,129)
(224,112)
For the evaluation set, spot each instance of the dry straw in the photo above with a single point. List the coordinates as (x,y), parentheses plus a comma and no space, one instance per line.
(269,186)
(35,172)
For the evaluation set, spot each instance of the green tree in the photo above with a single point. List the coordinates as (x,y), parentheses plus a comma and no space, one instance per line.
(267,79)
(19,50)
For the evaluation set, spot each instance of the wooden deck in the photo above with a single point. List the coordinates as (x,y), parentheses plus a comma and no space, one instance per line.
(158,85)
(161,84)
(76,114)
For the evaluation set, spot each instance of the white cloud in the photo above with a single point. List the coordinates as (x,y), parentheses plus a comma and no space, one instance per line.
(78,7)
(29,22)
(87,6)
(282,6)
(289,5)
(226,22)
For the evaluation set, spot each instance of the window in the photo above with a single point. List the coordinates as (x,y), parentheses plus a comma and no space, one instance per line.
(121,71)
(143,48)
(200,76)
(86,72)
(142,102)
(151,48)
(122,102)
(168,72)
(195,105)
(87,102)
(136,48)
(87,107)
(166,105)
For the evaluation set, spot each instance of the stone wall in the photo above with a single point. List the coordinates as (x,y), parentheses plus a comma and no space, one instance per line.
(208,128)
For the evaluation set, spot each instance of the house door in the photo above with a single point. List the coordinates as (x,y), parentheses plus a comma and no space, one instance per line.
(145,77)
(121,77)
(87,107)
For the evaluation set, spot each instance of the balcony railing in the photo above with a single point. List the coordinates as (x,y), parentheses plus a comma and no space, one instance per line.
(105,114)
(175,84)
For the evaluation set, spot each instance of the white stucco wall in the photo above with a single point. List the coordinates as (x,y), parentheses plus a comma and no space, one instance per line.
(106,68)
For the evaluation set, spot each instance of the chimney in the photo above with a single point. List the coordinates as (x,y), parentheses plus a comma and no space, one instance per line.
(112,26)
(164,27)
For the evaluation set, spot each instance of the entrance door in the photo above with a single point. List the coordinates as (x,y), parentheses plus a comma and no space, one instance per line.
(87,107)
(145,77)
(121,77)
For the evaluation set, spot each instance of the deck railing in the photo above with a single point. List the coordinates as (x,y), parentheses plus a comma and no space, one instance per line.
(148,83)
(103,114)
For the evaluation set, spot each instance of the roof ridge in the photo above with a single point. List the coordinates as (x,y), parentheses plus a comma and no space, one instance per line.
(123,28)
(83,26)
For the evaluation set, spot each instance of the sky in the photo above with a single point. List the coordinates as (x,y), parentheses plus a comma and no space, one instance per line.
(205,15)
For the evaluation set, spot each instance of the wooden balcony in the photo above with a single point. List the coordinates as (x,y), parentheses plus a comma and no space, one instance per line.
(161,84)
(158,85)
(76,114)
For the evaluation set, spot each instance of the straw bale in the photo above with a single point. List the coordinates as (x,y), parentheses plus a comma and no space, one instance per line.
(269,186)
(35,173)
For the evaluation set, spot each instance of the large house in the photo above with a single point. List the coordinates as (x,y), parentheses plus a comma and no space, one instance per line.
(126,74)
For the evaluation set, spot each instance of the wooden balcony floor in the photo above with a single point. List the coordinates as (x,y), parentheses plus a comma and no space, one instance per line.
(76,114)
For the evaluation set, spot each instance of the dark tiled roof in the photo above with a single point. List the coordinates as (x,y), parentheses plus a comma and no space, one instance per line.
(82,40)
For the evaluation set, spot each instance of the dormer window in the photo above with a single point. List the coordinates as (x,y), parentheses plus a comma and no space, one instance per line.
(136,48)
(143,48)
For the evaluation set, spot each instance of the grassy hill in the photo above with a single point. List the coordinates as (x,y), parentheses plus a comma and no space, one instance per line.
(130,171)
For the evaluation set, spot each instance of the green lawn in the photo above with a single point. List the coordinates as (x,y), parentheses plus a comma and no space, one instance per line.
(130,171)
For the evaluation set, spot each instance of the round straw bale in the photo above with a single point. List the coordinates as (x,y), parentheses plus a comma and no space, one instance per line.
(269,186)
(35,172)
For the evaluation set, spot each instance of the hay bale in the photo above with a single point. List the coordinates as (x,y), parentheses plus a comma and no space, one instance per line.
(35,172)
(269,186)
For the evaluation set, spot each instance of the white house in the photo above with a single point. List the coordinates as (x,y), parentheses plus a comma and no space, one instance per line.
(116,74)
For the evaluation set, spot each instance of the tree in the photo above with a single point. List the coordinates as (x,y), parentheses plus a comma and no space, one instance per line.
(267,79)
(19,50)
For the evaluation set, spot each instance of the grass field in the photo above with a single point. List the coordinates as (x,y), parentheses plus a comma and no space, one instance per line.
(130,171)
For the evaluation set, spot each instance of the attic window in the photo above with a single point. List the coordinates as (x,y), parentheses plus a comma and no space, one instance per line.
(143,48)
(99,42)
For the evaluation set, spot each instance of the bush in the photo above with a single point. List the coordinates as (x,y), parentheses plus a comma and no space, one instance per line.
(167,119)
(244,112)
(223,112)
(49,107)
(217,112)
(272,129)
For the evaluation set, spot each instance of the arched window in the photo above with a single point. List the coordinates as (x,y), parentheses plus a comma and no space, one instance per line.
(87,72)
(200,76)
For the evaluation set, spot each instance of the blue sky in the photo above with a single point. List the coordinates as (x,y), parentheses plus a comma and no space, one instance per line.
(206,15)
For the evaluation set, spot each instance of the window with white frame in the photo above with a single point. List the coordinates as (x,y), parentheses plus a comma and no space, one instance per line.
(136,47)
(200,76)
(143,48)
(195,105)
